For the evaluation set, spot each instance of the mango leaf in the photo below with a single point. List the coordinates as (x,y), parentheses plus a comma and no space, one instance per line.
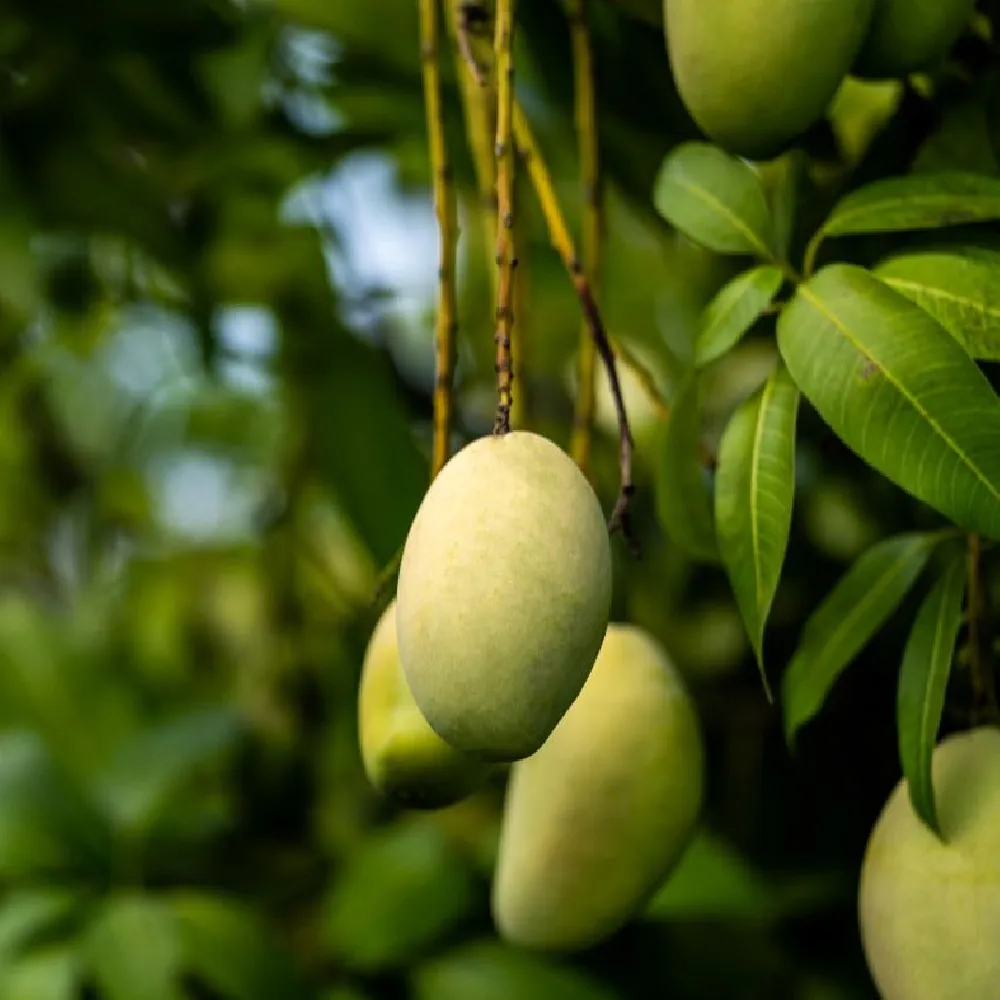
(683,501)
(150,769)
(960,290)
(734,310)
(864,597)
(27,915)
(133,949)
(923,681)
(401,892)
(754,492)
(715,199)
(51,973)
(230,950)
(488,970)
(47,826)
(917,201)
(898,390)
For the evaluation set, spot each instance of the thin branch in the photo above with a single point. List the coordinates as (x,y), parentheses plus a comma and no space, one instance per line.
(562,241)
(444,204)
(506,261)
(586,129)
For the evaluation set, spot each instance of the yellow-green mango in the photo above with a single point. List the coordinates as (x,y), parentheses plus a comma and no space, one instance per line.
(907,36)
(504,594)
(596,820)
(756,74)
(930,910)
(404,759)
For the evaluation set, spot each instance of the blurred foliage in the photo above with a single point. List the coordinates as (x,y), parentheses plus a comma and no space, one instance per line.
(214,431)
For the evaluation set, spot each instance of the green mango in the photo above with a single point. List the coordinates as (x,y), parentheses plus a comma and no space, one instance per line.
(404,759)
(504,594)
(596,820)
(929,909)
(907,36)
(756,74)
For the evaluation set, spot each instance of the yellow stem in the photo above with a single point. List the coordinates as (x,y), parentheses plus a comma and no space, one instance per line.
(444,204)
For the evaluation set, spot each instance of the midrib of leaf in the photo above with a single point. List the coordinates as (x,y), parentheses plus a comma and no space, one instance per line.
(935,426)
(758,439)
(939,293)
(721,208)
(872,206)
(925,707)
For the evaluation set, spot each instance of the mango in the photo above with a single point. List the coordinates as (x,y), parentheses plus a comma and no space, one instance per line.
(756,74)
(907,36)
(504,594)
(404,759)
(929,910)
(596,820)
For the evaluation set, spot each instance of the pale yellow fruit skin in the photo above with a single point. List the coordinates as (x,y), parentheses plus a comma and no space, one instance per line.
(404,759)
(907,36)
(930,912)
(596,820)
(504,594)
(755,74)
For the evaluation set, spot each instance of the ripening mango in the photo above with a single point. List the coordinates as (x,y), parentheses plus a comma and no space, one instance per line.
(930,909)
(504,594)
(756,74)
(596,820)
(403,757)
(907,36)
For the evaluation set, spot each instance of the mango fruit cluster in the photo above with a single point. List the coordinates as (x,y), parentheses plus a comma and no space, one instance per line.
(757,74)
(498,653)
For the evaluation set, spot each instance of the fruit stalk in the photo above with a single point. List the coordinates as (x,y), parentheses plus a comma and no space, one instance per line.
(586,129)
(444,205)
(541,181)
(506,261)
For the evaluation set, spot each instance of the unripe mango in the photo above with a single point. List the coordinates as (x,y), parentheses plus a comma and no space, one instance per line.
(596,820)
(404,759)
(907,36)
(755,74)
(504,594)
(930,910)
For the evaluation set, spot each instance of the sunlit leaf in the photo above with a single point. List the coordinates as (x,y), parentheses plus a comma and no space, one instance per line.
(899,391)
(50,973)
(683,500)
(715,199)
(754,492)
(857,607)
(923,681)
(734,310)
(961,290)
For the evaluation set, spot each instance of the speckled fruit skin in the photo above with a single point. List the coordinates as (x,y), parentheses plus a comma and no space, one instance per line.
(756,74)
(930,911)
(404,759)
(596,820)
(907,36)
(504,594)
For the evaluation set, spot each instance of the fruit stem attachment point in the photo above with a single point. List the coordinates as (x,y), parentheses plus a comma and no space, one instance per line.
(445,208)
(541,181)
(586,128)
(506,261)
(985,707)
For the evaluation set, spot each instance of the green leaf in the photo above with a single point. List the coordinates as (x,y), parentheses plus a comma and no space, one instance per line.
(917,201)
(715,199)
(754,492)
(683,500)
(923,681)
(488,970)
(734,310)
(399,894)
(133,949)
(148,771)
(27,915)
(51,973)
(899,391)
(864,597)
(961,290)
(228,948)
